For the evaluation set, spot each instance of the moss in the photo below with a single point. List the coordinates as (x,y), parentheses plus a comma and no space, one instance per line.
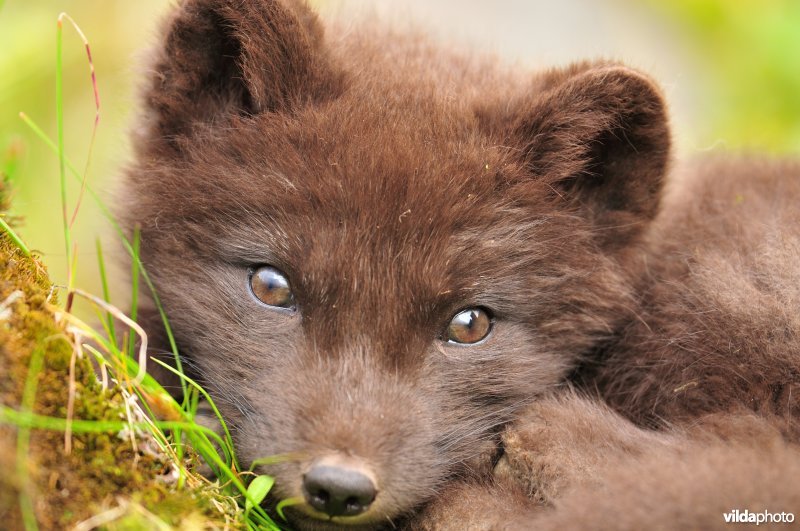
(103,470)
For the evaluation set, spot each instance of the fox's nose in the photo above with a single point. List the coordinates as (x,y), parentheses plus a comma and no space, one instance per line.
(339,488)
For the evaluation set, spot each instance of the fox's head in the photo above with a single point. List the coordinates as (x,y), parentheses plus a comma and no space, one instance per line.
(373,254)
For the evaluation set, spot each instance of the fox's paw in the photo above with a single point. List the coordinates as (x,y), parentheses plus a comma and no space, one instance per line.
(564,441)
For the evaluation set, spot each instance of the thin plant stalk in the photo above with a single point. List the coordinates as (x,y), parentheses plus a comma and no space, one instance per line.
(96,112)
(142,357)
(62,172)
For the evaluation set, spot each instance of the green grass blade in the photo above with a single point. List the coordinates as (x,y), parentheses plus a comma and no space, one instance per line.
(27,420)
(24,438)
(134,287)
(15,237)
(258,511)
(101,265)
(271,460)
(288,502)
(228,438)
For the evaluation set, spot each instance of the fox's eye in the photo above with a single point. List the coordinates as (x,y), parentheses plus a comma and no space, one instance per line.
(271,287)
(469,326)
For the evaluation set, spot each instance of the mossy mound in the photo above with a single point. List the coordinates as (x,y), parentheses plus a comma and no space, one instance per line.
(43,485)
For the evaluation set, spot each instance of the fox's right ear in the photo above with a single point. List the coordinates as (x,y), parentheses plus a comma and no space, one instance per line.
(220,58)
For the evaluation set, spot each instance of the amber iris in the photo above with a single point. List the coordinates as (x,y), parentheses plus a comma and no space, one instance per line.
(270,286)
(469,326)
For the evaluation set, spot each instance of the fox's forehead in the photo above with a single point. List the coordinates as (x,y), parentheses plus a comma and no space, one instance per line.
(359,224)
(360,166)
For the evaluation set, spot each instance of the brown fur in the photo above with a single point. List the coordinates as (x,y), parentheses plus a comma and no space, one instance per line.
(396,184)
(572,463)
(689,489)
(723,257)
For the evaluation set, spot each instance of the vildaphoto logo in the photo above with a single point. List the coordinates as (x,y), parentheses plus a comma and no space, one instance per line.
(737,516)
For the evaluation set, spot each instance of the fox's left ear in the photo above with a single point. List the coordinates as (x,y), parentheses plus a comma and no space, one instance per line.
(597,134)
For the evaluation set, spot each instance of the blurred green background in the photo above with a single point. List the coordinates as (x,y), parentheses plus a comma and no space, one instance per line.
(731,70)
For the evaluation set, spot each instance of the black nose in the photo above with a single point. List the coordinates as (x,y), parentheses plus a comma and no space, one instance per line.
(338,490)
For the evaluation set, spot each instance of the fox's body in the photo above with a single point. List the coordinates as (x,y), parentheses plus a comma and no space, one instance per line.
(719,326)
(394,189)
